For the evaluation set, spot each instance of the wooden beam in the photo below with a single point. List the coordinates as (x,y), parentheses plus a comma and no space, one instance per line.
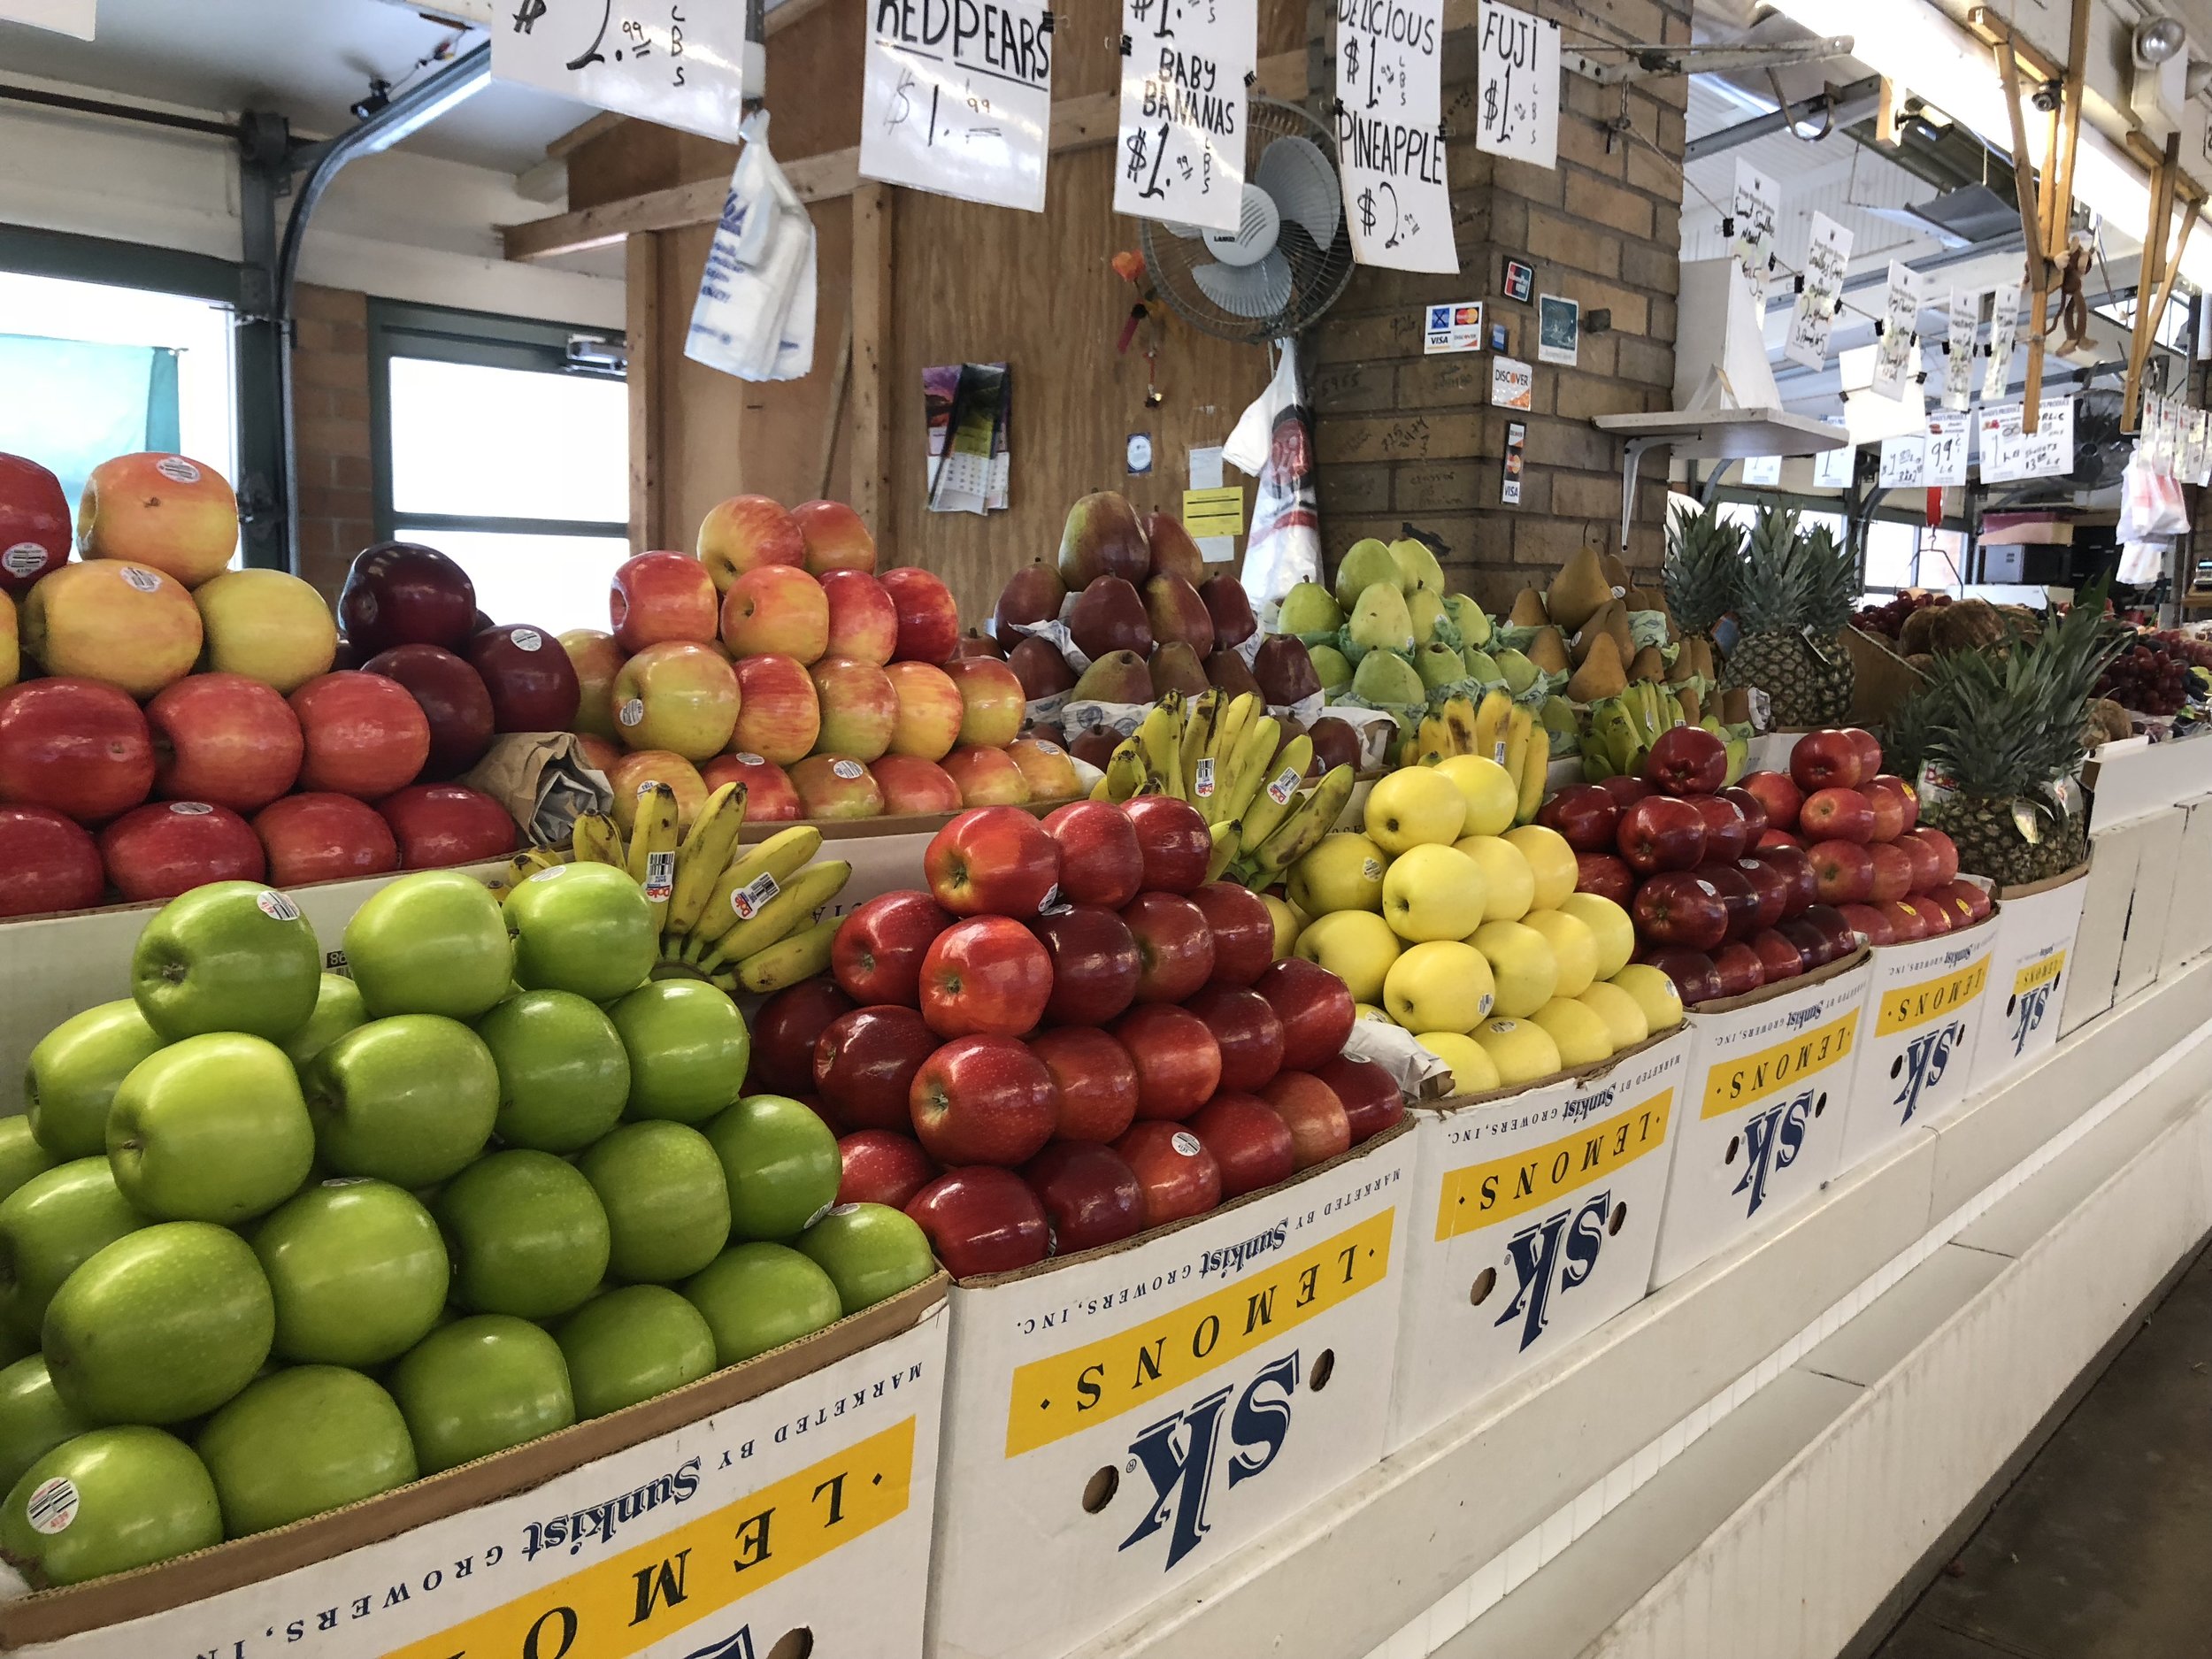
(573,140)
(641,295)
(2031,232)
(2067,136)
(2154,279)
(870,489)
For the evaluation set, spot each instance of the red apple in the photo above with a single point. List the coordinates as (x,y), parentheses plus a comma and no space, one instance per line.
(1175,948)
(1695,980)
(769,797)
(745,532)
(47,862)
(836,787)
(1885,808)
(1177,1061)
(784,1031)
(929,710)
(1836,815)
(1896,790)
(1892,871)
(1320,1126)
(986,976)
(1370,1096)
(1777,838)
(1585,814)
(166,848)
(365,735)
(1903,920)
(779,713)
(1628,791)
(1605,874)
(1939,917)
(439,825)
(865,1063)
(1738,968)
(1869,921)
(1662,833)
(877,954)
(912,787)
(1100,861)
(533,684)
(859,709)
(864,624)
(1315,1009)
(1973,896)
(597,659)
(1842,873)
(659,596)
(1796,867)
(324,837)
(1686,760)
(1752,810)
(1869,747)
(78,746)
(164,511)
(982,1220)
(779,608)
(1770,888)
(453,700)
(1176,842)
(1096,964)
(1244,932)
(1675,908)
(834,536)
(991,701)
(1778,959)
(929,622)
(1090,1192)
(1246,1031)
(983,1099)
(1179,1176)
(1946,853)
(1096,1078)
(1813,945)
(881,1167)
(979,645)
(1737,896)
(400,594)
(995,860)
(986,777)
(1248,1140)
(1779,793)
(224,739)
(1829,759)
(1726,832)
(1835,932)
(36,532)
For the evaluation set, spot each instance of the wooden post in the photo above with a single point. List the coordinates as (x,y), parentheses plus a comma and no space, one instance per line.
(2154,278)
(642,277)
(871,359)
(2030,232)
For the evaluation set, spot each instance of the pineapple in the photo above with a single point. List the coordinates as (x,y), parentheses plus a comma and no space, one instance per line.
(1835,588)
(1793,596)
(1704,553)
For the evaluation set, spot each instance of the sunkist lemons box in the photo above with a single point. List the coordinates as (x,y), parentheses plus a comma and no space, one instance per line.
(1924,1018)
(1117,1421)
(2027,973)
(780,1507)
(1533,1218)
(1760,1122)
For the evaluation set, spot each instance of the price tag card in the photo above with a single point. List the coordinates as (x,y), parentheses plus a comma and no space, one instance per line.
(1214,512)
(1958,362)
(1826,256)
(1390,134)
(1763,471)
(1904,462)
(672,62)
(1947,440)
(1832,468)
(1753,212)
(1181,155)
(1898,361)
(2008,453)
(2004,327)
(1517,95)
(957,98)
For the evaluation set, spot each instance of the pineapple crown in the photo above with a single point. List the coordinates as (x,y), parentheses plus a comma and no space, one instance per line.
(1704,552)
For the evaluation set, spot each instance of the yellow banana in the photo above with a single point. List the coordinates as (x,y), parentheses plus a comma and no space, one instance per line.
(522,866)
(1228,842)
(704,855)
(652,857)
(1432,742)
(749,881)
(1236,720)
(1534,765)
(597,840)
(1299,833)
(1248,766)
(1160,740)
(782,916)
(1196,746)
(1490,724)
(801,956)
(1459,719)
(1271,802)
(1519,725)
(1125,771)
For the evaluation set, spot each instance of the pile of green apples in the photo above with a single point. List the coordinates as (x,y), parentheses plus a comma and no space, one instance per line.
(275,1239)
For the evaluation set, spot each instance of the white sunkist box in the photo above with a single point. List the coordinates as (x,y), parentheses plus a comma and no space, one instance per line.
(1117,1421)
(1761,1124)
(1924,1018)
(1534,1219)
(781,1507)
(2036,926)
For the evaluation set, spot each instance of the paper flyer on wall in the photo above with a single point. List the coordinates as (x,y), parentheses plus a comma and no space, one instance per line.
(1958,359)
(968,409)
(957,100)
(1827,255)
(1179,154)
(1516,90)
(1950,436)
(1898,360)
(1390,134)
(1756,206)
(2004,327)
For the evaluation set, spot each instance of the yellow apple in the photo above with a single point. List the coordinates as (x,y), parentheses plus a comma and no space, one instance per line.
(1581,1033)
(1654,993)
(1522,963)
(1415,806)
(175,514)
(1434,893)
(1356,946)
(1440,986)
(1368,1011)
(1623,1016)
(1610,927)
(268,625)
(1288,926)
(1551,861)
(677,695)
(1488,788)
(1521,1049)
(1509,883)
(1344,872)
(1473,1070)
(1573,946)
(130,625)
(11,652)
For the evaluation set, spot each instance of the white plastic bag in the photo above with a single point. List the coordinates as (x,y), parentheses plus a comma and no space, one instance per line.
(754,314)
(1273,440)
(2150,502)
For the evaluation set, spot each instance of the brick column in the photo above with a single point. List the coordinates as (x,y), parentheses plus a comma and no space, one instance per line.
(1403,437)
(330,399)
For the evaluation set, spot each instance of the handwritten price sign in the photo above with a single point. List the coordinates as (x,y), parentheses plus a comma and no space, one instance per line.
(1181,153)
(1389,132)
(681,63)
(1517,86)
(958,98)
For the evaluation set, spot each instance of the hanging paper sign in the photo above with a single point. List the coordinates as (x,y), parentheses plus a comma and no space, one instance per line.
(2004,327)
(1826,256)
(1517,95)
(1904,462)
(1181,149)
(1958,362)
(666,61)
(67,16)
(1832,468)
(957,100)
(1763,471)
(1390,134)
(2199,457)
(2169,438)
(1898,360)
(1948,436)
(1754,213)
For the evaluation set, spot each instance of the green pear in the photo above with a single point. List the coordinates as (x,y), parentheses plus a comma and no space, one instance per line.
(137,1496)
(1381,621)
(303,1442)
(1385,677)
(1438,665)
(1474,624)
(1426,610)
(1417,568)
(1330,666)
(1519,673)
(73,1073)
(1309,607)
(1481,666)
(1366,563)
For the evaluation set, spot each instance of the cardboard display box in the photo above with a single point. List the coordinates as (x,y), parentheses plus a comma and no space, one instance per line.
(2157,871)
(1761,1127)
(1925,1017)
(2189,915)
(1534,1216)
(1118,1420)
(2132,776)
(2036,925)
(2115,856)
(792,1493)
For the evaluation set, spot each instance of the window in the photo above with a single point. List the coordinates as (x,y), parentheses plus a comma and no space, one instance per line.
(495,449)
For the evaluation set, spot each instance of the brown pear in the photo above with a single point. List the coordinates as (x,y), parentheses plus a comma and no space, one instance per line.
(1549,651)
(1117,677)
(979,645)
(1578,589)
(1647,664)
(1528,610)
(1033,593)
(1108,616)
(1684,668)
(1602,621)
(1178,614)
(1102,537)
(1646,599)
(1615,572)
(1230,673)
(1230,607)
(1693,710)
(1735,706)
(1173,552)
(1041,668)
(1176,667)
(1600,677)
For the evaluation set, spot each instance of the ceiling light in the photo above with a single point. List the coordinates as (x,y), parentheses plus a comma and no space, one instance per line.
(2157,39)
(2200,76)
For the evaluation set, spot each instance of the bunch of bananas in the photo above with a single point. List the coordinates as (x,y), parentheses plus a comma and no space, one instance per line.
(1624,728)
(1498,729)
(1219,754)
(739,918)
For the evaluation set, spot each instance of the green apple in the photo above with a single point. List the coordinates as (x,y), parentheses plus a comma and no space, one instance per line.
(629,1345)
(166,1324)
(479,1386)
(870,1251)
(49,1227)
(583,927)
(32,1419)
(432,943)
(211,1129)
(13,1346)
(301,1442)
(781,1162)
(667,1202)
(410,1099)
(232,956)
(338,1009)
(20,1154)
(107,1501)
(74,1073)
(358,1271)
(758,1296)
(688,1049)
(564,1074)
(527,1234)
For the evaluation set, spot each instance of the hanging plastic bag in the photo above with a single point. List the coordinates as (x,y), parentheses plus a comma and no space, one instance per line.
(1273,440)
(754,314)
(2150,502)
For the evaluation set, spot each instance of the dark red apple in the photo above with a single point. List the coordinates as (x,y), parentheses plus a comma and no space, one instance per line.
(1245,1029)
(321,837)
(784,1031)
(1752,809)
(1870,922)
(1248,1140)
(865,1063)
(1770,888)
(983,1100)
(1586,815)
(1100,861)
(1314,1007)
(1726,833)
(441,823)
(1096,964)
(1096,1078)
(1695,977)
(35,529)
(1777,838)
(401,594)
(1175,948)
(1320,1126)
(530,679)
(993,861)
(1779,793)
(1606,875)
(1938,919)
(982,1220)
(453,700)
(1177,1061)
(1628,791)
(1686,760)
(1811,944)
(929,621)
(1835,932)
(1778,959)
(1370,1096)
(1738,968)
(1796,867)
(1090,1194)
(1179,1176)
(366,735)
(1887,808)
(1836,815)
(1979,905)
(877,954)
(881,1167)
(1738,897)
(224,739)
(1662,833)
(77,746)
(166,848)
(987,977)
(1243,932)
(1842,873)
(47,863)
(1675,908)
(1829,759)
(1175,841)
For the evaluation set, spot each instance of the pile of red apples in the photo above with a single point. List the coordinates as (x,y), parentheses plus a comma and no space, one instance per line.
(1732,888)
(1070,1038)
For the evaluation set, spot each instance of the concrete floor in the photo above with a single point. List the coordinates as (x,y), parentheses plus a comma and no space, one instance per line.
(2100,1549)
